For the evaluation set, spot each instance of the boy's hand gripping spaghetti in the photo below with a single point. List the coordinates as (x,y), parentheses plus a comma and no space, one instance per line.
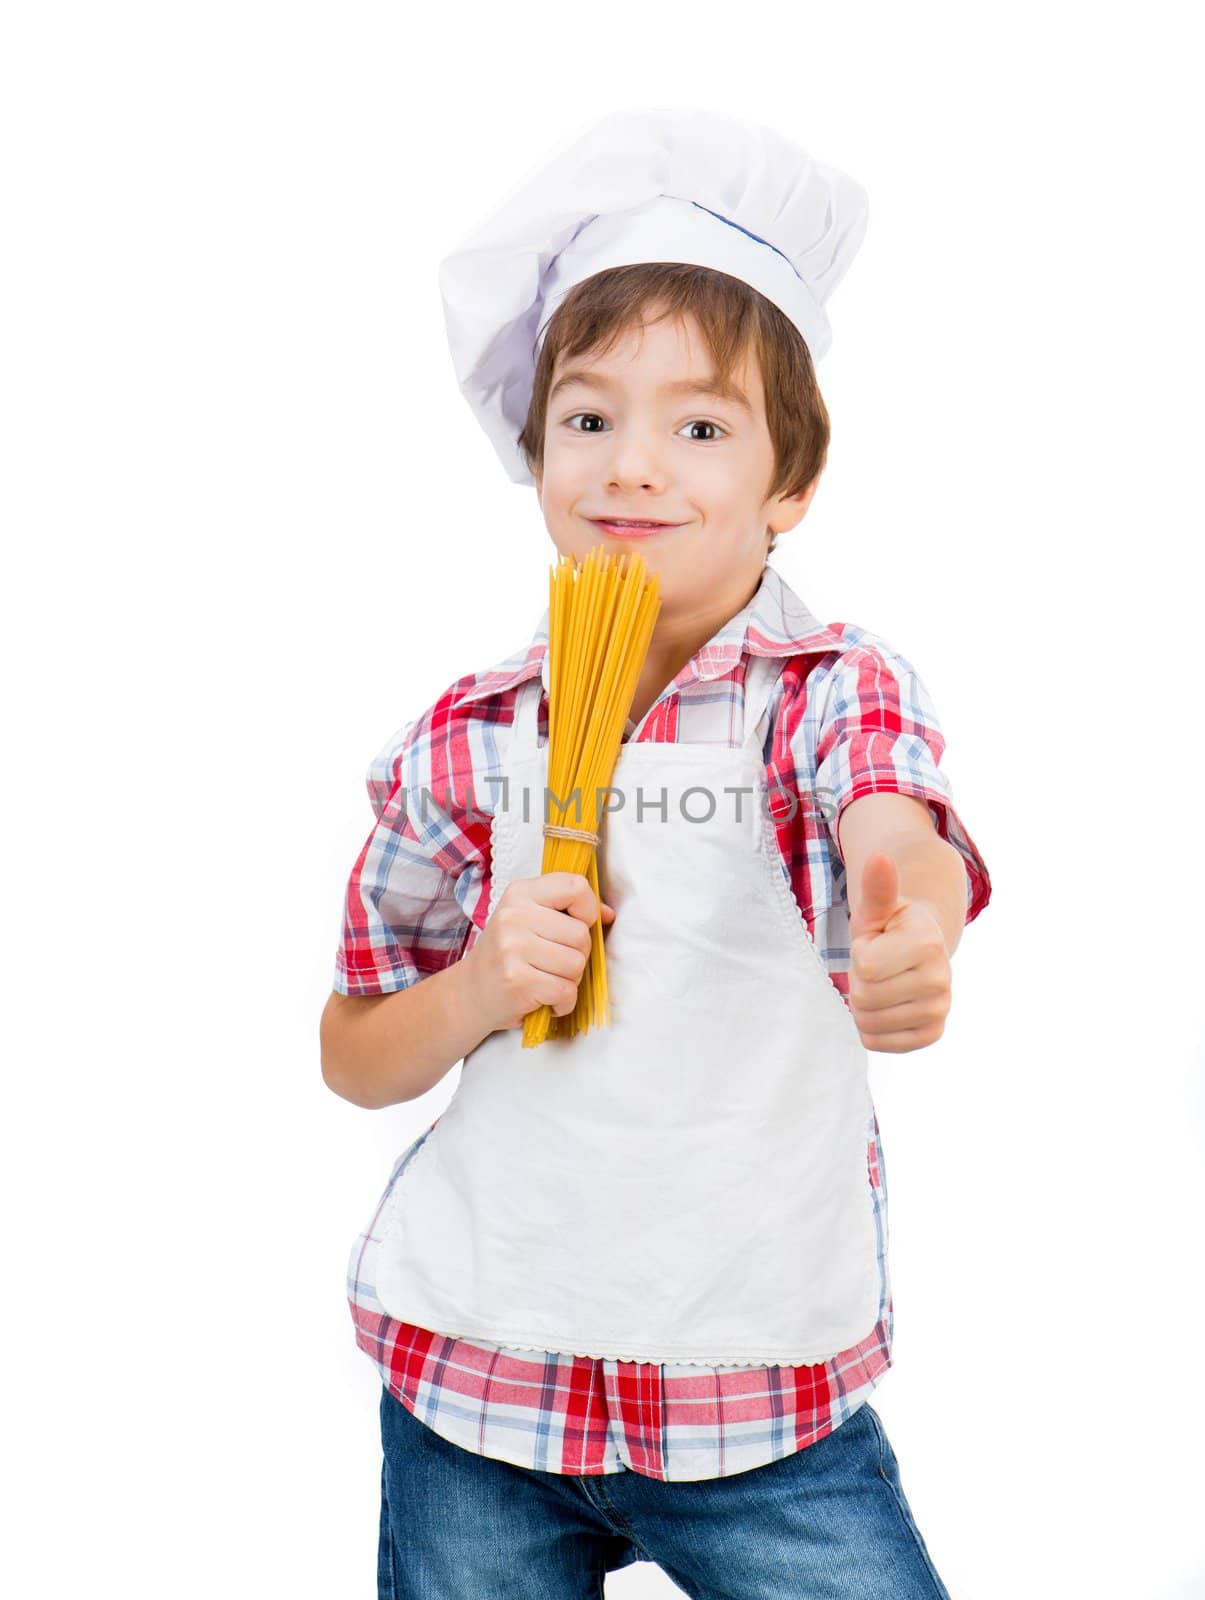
(601,617)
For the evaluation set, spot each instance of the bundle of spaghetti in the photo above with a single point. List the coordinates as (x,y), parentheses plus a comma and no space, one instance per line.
(601,617)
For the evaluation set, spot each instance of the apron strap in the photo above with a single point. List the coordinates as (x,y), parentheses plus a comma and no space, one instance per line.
(761,680)
(525,736)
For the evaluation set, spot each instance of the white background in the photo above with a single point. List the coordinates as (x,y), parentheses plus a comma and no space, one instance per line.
(252,528)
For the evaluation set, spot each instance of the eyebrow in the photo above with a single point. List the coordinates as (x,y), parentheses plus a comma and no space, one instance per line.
(596,380)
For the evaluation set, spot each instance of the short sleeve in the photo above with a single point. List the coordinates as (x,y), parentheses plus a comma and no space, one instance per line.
(402,920)
(878,732)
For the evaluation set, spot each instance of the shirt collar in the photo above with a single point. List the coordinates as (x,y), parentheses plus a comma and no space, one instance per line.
(775,622)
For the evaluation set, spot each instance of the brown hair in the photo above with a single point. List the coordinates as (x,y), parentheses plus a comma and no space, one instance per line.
(733,317)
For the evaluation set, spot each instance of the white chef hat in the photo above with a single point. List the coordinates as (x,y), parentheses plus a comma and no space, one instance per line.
(659,185)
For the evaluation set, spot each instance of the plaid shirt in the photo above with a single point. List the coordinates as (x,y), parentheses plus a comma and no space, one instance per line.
(849,717)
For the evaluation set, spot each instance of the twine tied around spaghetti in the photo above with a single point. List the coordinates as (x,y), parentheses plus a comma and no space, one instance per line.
(555,830)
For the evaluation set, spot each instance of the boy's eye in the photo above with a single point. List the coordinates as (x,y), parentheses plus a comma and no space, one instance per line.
(698,422)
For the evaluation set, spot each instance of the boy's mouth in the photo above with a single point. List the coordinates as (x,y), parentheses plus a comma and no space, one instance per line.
(625,528)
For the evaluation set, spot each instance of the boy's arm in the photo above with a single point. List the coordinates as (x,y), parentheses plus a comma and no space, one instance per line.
(401,1013)
(876,757)
(930,869)
(380,1049)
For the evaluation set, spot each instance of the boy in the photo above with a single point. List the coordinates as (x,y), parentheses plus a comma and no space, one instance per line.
(628,1294)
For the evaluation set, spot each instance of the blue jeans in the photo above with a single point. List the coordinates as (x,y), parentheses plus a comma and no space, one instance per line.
(829,1522)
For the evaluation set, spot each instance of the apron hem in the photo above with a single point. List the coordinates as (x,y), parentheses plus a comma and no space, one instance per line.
(659,1357)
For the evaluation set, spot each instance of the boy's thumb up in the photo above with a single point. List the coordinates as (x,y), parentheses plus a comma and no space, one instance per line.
(880,898)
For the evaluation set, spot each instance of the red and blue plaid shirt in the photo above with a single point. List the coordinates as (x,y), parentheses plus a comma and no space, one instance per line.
(849,717)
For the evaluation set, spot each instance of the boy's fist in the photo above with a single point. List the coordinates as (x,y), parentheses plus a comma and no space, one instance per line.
(534,948)
(899,974)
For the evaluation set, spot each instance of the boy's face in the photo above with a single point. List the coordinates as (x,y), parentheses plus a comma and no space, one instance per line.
(634,440)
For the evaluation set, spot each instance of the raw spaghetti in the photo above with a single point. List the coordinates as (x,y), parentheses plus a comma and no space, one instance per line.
(601,617)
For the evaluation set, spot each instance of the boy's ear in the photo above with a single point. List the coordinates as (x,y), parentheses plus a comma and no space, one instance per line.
(795,505)
(805,497)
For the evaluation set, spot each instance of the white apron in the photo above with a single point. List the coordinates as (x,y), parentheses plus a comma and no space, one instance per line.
(689,1182)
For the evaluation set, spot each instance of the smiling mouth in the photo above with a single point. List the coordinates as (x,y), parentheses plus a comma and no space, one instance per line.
(629,527)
